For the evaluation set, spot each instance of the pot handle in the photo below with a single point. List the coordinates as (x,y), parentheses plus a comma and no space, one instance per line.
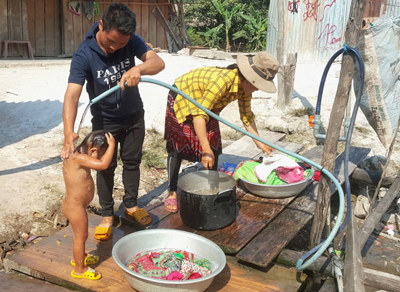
(221,198)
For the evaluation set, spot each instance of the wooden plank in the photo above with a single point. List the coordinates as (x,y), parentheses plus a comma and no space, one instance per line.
(86,24)
(24,22)
(322,265)
(373,278)
(50,27)
(40,44)
(161,37)
(375,216)
(152,37)
(165,24)
(381,280)
(50,259)
(353,276)
(266,246)
(246,147)
(14,20)
(173,221)
(68,46)
(237,277)
(280,51)
(57,31)
(30,7)
(137,9)
(77,29)
(15,28)
(352,36)
(3,22)
(253,216)
(145,21)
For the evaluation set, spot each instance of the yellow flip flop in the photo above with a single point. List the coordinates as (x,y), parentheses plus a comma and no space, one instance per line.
(90,274)
(90,259)
(103,233)
(138,216)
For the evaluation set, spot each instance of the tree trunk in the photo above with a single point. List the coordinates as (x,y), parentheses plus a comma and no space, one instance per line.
(352,36)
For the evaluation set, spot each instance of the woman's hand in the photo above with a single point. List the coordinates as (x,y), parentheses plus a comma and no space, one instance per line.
(265,148)
(208,159)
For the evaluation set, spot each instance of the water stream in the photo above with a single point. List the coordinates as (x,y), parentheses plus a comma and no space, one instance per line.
(82,119)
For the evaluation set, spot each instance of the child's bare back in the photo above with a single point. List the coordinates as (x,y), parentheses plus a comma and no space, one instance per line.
(77,168)
(95,152)
(78,180)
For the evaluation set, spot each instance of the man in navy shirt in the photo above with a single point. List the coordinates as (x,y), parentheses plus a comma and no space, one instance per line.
(104,59)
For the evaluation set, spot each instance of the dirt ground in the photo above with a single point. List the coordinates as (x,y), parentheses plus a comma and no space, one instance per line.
(31,135)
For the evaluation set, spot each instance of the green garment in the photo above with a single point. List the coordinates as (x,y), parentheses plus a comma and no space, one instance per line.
(245,171)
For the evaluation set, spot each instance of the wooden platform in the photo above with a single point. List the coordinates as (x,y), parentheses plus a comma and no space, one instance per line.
(49,260)
(250,240)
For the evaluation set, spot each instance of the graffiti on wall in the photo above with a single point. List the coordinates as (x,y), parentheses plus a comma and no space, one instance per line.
(293,6)
(327,5)
(328,35)
(311,9)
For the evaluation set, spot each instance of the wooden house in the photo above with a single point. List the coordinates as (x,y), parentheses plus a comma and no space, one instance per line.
(55,28)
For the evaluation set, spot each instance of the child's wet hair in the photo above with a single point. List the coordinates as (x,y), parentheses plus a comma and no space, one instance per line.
(95,139)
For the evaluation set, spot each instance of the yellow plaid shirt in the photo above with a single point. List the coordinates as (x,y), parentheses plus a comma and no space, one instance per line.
(214,88)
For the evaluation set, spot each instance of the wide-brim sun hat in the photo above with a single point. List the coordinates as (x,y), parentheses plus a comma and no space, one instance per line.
(259,70)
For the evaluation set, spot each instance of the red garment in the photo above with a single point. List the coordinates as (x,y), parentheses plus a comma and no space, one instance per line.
(194,276)
(175,276)
(290,174)
(182,137)
(317,174)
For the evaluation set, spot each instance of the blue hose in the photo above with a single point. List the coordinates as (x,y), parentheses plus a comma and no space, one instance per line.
(323,246)
(354,53)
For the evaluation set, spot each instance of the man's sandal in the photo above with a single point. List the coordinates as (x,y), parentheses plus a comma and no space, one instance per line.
(90,274)
(103,233)
(90,259)
(140,216)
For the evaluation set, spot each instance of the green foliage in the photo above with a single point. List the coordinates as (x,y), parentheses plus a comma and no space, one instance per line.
(254,30)
(212,36)
(196,38)
(228,13)
(205,20)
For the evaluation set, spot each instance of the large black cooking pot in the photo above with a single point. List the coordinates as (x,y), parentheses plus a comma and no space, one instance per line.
(207,199)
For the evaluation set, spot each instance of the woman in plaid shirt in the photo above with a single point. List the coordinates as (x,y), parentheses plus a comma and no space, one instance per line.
(194,136)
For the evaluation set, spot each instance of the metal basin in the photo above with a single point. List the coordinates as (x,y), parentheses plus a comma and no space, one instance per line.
(130,245)
(278,191)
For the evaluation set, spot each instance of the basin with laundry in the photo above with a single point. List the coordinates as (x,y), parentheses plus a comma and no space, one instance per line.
(275,176)
(136,255)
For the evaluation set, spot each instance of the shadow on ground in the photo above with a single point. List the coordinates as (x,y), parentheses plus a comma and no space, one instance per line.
(24,119)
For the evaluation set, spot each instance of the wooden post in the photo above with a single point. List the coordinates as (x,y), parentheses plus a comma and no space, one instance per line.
(286,71)
(280,48)
(352,36)
(375,216)
(289,70)
(353,276)
(323,265)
